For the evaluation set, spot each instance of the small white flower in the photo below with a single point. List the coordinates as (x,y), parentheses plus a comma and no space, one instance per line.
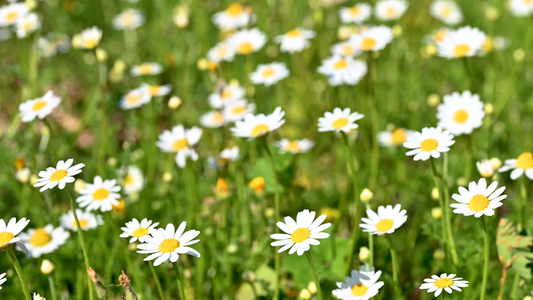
(59,176)
(225,96)
(9,232)
(463,42)
(269,74)
(355,14)
(388,10)
(431,142)
(393,138)
(128,19)
(361,285)
(100,195)
(157,90)
(294,146)
(521,8)
(479,199)
(212,119)
(87,220)
(386,221)
(90,38)
(168,243)
(230,154)
(485,168)
(138,230)
(299,235)
(135,98)
(178,139)
(444,282)
(446,11)
(40,107)
(133,181)
(460,113)
(27,24)
(147,68)
(521,165)
(221,52)
(373,38)
(346,48)
(236,110)
(343,70)
(339,120)
(247,41)
(10,14)
(235,16)
(44,240)
(295,40)
(254,126)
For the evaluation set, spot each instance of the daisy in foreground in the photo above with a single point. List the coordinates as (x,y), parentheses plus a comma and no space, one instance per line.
(479,199)
(9,232)
(168,244)
(299,235)
(361,285)
(343,70)
(521,165)
(138,230)
(100,195)
(254,126)
(294,146)
(147,68)
(339,120)
(59,176)
(44,240)
(269,74)
(87,220)
(387,220)
(431,142)
(463,42)
(444,282)
(295,40)
(460,113)
(40,107)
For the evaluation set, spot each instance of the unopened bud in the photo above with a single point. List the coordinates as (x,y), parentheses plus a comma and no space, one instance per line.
(47,267)
(312,287)
(433,100)
(305,294)
(438,254)
(366,195)
(364,254)
(496,163)
(174,102)
(101,55)
(125,282)
(101,291)
(489,108)
(435,193)
(79,185)
(436,213)
(167,177)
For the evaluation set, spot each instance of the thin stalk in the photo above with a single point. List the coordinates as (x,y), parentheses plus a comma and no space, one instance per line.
(370,243)
(315,273)
(486,258)
(52,287)
(395,281)
(523,196)
(352,166)
(83,245)
(181,285)
(516,280)
(502,283)
(20,274)
(157,282)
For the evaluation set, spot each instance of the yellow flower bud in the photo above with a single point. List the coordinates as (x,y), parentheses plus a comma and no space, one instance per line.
(79,185)
(257,184)
(202,64)
(364,254)
(31,4)
(496,163)
(492,13)
(112,161)
(489,108)
(435,193)
(174,102)
(305,294)
(167,177)
(101,55)
(47,267)
(438,254)
(436,213)
(430,50)
(234,82)
(181,16)
(76,41)
(433,100)
(312,287)
(519,54)
(269,212)
(397,30)
(33,179)
(461,181)
(366,195)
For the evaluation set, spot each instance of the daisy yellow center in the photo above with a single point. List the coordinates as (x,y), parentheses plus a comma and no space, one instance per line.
(268,72)
(5,237)
(443,283)
(340,64)
(168,245)
(293,147)
(354,11)
(12,16)
(128,18)
(245,48)
(524,161)
(301,234)
(222,52)
(460,116)
(461,50)
(133,99)
(391,12)
(83,223)
(399,136)
(90,43)
(145,69)
(339,123)
(384,225)
(359,290)
(128,180)
(58,175)
(478,203)
(226,94)
(528,1)
(429,145)
(100,194)
(347,50)
(259,130)
(368,44)
(153,90)
(446,10)
(37,106)
(238,109)
(234,10)
(218,118)
(28,25)
(139,232)
(294,33)
(40,237)
(179,145)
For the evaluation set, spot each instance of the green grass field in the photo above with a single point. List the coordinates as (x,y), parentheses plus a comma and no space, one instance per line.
(403,86)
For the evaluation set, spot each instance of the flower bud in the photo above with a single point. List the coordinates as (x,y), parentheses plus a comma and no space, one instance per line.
(489,108)
(496,163)
(101,55)
(312,287)
(101,291)
(435,193)
(366,195)
(436,213)
(305,294)
(47,267)
(167,177)
(433,100)
(438,254)
(364,254)
(79,185)
(174,102)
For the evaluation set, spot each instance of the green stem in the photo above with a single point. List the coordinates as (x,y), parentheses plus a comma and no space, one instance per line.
(523,195)
(20,274)
(516,281)
(83,246)
(157,282)
(52,287)
(370,243)
(352,166)
(395,281)
(486,258)
(502,283)
(181,285)
(315,273)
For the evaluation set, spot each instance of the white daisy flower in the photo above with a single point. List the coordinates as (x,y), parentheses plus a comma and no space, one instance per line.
(9,232)
(135,98)
(27,24)
(460,113)
(521,8)
(128,19)
(294,146)
(212,119)
(37,297)
(386,221)
(236,110)
(40,107)
(178,139)
(479,199)
(444,282)
(100,195)
(44,240)
(90,38)
(393,138)
(431,142)
(133,181)
(299,235)
(53,43)
(388,10)
(59,176)
(225,95)
(230,154)
(138,230)
(10,14)
(446,11)
(221,52)
(485,168)
(87,220)
(235,16)
(373,38)
(147,68)
(343,70)
(157,90)
(247,41)
(167,244)
(2,279)
(346,48)
(269,74)
(361,285)
(254,126)
(521,165)
(339,120)
(463,42)
(355,14)
(295,40)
